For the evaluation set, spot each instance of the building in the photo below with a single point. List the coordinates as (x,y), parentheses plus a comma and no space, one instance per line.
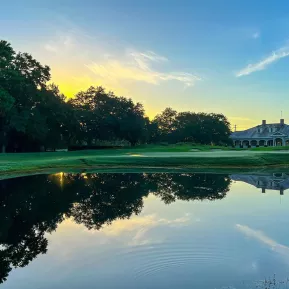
(273,134)
(277,182)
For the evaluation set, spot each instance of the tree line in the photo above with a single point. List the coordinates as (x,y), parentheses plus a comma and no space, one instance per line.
(36,116)
(35,205)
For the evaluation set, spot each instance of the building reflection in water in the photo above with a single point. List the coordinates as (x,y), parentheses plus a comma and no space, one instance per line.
(276,181)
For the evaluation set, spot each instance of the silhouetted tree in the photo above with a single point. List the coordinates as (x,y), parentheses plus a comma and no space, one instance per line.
(166,123)
(32,113)
(104,116)
(202,128)
(35,115)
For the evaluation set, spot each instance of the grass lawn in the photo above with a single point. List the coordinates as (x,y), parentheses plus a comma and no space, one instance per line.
(178,157)
(179,148)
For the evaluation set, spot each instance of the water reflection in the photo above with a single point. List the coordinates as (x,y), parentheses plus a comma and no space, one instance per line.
(33,206)
(276,181)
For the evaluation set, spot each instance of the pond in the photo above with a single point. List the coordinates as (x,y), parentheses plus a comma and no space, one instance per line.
(144,230)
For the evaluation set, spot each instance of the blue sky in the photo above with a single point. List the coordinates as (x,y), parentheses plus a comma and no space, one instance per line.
(214,56)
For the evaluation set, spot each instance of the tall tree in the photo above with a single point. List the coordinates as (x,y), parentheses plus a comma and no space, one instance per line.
(202,128)
(21,77)
(6,104)
(34,115)
(105,116)
(166,122)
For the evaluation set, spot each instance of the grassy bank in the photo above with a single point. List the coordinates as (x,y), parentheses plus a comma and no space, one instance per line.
(144,158)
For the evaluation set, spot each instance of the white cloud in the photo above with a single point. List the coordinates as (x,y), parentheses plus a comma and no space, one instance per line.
(137,66)
(109,62)
(261,65)
(143,59)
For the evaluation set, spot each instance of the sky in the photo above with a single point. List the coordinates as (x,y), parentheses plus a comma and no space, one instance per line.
(219,56)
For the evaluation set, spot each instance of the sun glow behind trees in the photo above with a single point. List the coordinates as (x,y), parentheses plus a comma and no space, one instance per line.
(36,116)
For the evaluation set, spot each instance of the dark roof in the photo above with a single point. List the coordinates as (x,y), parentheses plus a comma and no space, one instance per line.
(265,131)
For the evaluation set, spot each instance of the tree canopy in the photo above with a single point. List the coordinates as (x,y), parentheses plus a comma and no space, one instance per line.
(202,128)
(35,115)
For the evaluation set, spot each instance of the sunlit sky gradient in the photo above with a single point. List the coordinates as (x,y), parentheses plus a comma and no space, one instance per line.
(212,56)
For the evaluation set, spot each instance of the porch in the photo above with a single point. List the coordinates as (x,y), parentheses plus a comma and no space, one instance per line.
(261,142)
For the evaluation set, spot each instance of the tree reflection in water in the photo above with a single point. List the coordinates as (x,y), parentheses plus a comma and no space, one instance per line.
(35,205)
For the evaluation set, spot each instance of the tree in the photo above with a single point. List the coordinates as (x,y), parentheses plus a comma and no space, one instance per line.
(202,128)
(21,77)
(6,104)
(220,129)
(166,122)
(6,100)
(104,116)
(130,121)
(60,120)
(188,127)
(35,116)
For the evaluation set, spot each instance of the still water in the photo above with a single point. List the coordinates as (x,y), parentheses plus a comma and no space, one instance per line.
(144,231)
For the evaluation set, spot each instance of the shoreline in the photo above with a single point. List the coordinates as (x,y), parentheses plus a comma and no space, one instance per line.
(12,165)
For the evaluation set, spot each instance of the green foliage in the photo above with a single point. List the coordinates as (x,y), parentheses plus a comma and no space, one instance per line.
(202,128)
(6,102)
(35,116)
(105,116)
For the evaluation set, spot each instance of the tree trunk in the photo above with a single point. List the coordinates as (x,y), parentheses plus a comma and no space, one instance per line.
(3,148)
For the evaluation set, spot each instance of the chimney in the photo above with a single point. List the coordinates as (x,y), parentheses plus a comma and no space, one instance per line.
(282,121)
(263,122)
